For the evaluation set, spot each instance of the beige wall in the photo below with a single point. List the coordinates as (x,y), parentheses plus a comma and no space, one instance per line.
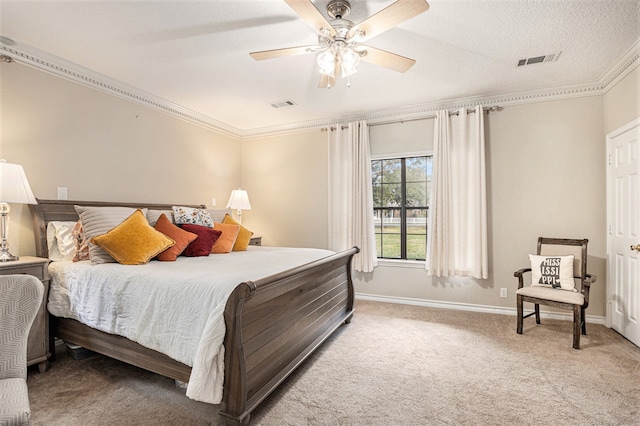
(287,182)
(622,101)
(546,176)
(105,149)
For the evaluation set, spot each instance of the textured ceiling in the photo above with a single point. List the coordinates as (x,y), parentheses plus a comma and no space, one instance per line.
(195,54)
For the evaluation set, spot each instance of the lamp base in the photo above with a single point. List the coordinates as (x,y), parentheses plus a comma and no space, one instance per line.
(5,256)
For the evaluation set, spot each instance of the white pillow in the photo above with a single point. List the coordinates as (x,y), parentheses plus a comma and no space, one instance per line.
(100,220)
(60,240)
(552,271)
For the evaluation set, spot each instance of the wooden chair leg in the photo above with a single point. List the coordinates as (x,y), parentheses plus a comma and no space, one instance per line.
(576,326)
(583,319)
(537,308)
(519,307)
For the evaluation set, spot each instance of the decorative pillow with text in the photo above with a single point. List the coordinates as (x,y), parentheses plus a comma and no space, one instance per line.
(552,271)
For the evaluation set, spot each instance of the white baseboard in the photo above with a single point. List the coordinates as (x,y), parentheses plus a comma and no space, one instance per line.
(593,319)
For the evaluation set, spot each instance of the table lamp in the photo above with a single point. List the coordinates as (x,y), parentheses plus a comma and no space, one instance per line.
(239,200)
(14,188)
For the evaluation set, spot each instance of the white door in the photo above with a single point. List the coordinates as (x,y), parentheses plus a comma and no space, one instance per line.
(623,205)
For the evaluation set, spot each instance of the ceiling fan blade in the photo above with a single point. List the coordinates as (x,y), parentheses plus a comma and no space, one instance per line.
(311,15)
(389,17)
(387,59)
(278,53)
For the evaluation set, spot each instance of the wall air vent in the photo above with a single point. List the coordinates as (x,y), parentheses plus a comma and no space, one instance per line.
(552,57)
(282,104)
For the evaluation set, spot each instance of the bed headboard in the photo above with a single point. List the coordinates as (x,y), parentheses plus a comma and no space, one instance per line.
(62,210)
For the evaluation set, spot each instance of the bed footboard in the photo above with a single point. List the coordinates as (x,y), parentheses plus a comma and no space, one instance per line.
(275,323)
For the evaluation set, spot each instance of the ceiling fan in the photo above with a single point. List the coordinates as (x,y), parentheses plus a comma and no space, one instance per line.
(339,45)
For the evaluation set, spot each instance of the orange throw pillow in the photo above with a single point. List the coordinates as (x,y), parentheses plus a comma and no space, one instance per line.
(225,243)
(180,236)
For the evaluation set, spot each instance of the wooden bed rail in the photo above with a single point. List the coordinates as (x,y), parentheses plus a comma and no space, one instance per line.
(275,323)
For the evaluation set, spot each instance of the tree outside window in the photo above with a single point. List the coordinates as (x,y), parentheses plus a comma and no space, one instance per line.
(400,206)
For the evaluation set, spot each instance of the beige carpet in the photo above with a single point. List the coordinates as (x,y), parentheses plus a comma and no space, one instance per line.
(393,365)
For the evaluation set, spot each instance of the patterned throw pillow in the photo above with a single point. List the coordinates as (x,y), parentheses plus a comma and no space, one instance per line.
(552,271)
(82,243)
(182,215)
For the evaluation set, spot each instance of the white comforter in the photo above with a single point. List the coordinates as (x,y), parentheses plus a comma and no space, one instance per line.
(173,307)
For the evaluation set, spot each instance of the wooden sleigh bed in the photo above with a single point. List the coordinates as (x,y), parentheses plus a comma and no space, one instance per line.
(272,324)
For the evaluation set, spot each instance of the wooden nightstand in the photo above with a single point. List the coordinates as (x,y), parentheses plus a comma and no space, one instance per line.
(38,351)
(256,240)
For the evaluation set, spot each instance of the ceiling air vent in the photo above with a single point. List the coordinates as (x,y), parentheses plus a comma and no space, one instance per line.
(282,104)
(552,57)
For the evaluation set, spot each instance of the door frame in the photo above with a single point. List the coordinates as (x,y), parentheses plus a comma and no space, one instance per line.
(634,124)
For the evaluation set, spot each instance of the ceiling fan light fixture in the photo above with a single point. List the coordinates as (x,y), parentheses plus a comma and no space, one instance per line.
(339,50)
(350,61)
(326,61)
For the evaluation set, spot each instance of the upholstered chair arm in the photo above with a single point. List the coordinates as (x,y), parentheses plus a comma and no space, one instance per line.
(518,274)
(586,286)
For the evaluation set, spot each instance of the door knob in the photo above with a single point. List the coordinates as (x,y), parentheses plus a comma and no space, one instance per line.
(636,247)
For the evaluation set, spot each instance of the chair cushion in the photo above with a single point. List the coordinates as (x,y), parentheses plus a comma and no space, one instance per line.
(562,296)
(14,402)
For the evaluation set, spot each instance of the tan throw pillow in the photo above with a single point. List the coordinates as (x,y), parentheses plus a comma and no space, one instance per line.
(134,241)
(224,244)
(244,235)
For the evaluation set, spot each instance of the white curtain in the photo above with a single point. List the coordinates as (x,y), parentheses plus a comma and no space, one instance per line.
(350,194)
(457,229)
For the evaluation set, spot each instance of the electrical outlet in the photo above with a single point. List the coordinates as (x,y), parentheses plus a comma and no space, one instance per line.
(213,202)
(503,292)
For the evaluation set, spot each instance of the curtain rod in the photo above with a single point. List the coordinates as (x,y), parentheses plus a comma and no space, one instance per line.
(428,117)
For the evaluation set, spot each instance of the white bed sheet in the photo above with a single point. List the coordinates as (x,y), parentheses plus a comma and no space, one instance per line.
(176,308)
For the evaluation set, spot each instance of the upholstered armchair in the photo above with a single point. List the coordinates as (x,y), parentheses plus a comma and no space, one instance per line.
(20,298)
(558,278)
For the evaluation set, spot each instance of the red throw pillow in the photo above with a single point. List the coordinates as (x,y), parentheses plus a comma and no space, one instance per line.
(202,245)
(180,236)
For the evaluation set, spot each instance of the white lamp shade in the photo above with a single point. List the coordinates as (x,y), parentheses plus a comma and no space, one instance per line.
(14,187)
(239,200)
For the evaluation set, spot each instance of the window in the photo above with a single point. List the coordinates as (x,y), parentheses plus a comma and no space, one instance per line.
(400,206)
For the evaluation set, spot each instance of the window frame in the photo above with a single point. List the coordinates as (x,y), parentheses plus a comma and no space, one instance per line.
(402,261)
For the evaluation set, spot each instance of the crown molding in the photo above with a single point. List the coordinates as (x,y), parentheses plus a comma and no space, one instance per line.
(71,71)
(429,110)
(622,67)
(44,61)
